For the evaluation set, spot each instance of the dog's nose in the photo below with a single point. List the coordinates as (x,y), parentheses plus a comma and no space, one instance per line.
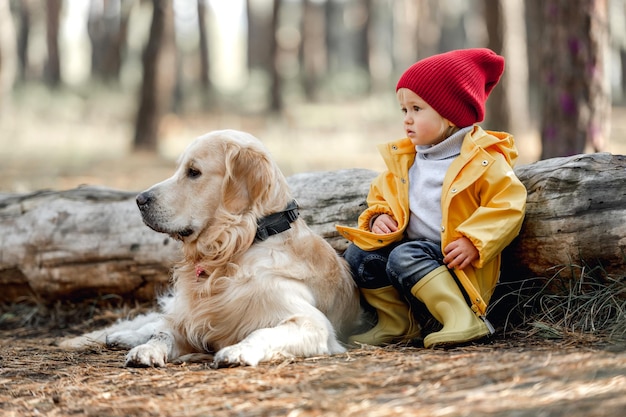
(144,198)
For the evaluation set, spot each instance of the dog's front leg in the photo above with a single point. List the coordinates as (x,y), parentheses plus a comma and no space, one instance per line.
(136,332)
(154,353)
(297,336)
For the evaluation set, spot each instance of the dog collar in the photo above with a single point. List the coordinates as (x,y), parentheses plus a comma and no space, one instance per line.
(277,222)
(268,226)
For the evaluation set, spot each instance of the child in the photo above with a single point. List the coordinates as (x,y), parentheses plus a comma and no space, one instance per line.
(446,207)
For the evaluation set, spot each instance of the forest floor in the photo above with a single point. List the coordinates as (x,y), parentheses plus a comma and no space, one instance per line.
(513,376)
(45,143)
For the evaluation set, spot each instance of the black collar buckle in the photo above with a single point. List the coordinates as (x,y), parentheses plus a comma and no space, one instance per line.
(277,222)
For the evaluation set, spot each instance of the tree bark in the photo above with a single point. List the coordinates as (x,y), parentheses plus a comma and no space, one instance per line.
(8,55)
(107,27)
(575,95)
(25,11)
(498,113)
(276,81)
(90,241)
(507,107)
(205,65)
(576,216)
(79,243)
(260,36)
(53,63)
(159,75)
(313,50)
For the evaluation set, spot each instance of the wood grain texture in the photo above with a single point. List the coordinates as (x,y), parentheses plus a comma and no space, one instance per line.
(575,214)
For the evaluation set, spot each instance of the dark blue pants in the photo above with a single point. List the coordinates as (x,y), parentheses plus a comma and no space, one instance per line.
(401,264)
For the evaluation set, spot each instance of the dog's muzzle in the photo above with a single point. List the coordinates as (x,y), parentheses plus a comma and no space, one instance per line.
(145,202)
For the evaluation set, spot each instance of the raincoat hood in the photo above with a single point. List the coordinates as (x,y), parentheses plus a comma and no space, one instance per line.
(500,142)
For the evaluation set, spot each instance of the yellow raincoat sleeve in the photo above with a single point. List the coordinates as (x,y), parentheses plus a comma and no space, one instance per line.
(376,204)
(388,194)
(494,224)
(362,236)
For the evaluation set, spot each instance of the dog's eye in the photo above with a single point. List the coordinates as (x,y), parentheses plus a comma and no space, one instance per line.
(193,173)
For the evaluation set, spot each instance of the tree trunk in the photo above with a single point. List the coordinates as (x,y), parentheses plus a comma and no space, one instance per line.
(205,65)
(107,27)
(24,18)
(515,47)
(575,95)
(363,10)
(507,107)
(534,38)
(91,241)
(408,45)
(159,76)
(8,55)
(347,42)
(498,115)
(276,83)
(53,65)
(260,35)
(313,50)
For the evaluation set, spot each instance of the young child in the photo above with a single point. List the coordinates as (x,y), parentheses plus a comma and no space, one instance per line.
(444,210)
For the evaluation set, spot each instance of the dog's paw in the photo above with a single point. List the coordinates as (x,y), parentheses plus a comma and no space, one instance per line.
(240,354)
(144,356)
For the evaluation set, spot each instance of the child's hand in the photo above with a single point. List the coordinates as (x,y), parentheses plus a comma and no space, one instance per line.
(384,224)
(460,253)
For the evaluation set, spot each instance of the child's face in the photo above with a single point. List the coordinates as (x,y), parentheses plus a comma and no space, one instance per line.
(422,124)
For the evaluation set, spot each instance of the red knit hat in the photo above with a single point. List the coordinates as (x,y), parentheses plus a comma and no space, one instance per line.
(457,83)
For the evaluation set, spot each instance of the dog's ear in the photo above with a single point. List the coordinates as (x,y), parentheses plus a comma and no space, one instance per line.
(249,178)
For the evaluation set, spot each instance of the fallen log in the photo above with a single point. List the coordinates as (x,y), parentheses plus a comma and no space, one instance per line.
(79,243)
(90,241)
(575,217)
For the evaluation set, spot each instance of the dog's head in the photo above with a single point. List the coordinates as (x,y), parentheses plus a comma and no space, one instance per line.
(224,180)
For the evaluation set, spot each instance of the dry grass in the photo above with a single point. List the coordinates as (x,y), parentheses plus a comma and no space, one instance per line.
(592,304)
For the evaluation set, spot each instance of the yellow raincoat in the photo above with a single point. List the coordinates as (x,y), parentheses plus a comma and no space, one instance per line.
(481,199)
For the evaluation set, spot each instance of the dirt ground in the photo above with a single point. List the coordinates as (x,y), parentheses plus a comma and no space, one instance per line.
(518,375)
(512,376)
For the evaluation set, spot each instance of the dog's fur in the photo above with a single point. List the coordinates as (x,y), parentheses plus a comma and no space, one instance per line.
(253,301)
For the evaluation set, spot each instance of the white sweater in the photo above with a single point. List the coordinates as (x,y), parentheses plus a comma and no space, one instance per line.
(425,181)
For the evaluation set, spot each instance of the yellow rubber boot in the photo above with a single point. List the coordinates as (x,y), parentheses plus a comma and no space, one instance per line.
(395,320)
(443,298)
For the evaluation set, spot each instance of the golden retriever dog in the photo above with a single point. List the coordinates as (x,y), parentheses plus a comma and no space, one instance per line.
(255,283)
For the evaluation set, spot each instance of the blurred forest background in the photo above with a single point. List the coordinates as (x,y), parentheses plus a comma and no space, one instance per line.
(110,92)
